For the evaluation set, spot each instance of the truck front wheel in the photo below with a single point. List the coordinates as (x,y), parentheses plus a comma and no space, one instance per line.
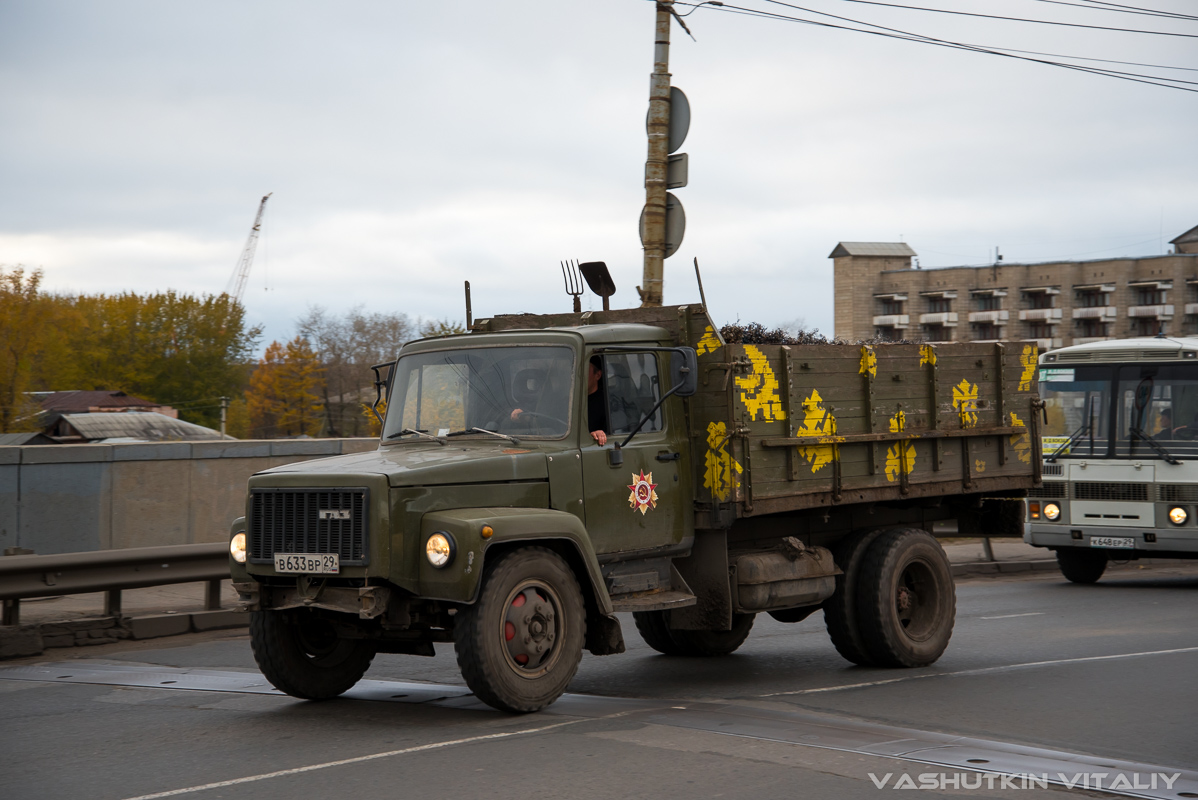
(301,654)
(905,598)
(519,645)
(1082,566)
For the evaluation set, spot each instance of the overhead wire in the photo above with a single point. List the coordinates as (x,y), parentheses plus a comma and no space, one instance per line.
(1141,8)
(1019,19)
(895,33)
(1122,10)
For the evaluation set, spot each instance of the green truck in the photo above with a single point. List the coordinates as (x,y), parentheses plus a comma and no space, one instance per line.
(541,473)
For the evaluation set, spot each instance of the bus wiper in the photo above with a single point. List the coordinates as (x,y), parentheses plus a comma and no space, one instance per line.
(438,439)
(1073,437)
(511,439)
(1155,445)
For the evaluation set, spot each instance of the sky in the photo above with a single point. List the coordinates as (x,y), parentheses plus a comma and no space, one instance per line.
(411,146)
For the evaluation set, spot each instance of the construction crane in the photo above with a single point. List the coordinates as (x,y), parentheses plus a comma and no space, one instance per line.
(241,273)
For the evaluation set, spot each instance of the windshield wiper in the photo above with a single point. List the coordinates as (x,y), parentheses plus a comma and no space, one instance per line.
(1155,445)
(1073,437)
(511,439)
(438,439)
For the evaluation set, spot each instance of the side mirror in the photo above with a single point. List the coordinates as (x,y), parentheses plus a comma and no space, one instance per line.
(684,371)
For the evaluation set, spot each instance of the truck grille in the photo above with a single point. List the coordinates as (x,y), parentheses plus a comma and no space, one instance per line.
(1177,492)
(291,521)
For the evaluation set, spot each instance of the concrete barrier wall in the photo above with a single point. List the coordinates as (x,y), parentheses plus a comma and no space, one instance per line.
(76,498)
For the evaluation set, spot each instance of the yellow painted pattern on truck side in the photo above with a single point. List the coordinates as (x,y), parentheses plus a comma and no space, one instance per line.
(965,402)
(900,457)
(759,389)
(818,421)
(721,472)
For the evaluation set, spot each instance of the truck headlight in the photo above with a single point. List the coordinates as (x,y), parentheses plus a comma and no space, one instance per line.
(1178,515)
(237,547)
(440,549)
(1052,512)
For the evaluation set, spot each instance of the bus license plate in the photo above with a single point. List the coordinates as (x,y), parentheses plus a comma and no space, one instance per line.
(308,563)
(1117,542)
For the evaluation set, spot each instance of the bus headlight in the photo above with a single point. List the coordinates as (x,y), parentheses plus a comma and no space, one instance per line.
(1178,515)
(439,549)
(1052,512)
(237,547)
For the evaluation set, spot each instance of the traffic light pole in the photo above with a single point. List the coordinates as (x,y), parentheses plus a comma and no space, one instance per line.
(656,164)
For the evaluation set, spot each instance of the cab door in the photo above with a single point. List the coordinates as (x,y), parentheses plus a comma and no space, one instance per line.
(644,503)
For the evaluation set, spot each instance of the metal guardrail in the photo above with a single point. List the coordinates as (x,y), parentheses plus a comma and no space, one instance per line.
(111,571)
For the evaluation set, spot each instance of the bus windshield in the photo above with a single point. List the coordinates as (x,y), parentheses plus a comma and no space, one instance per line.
(1077,408)
(1136,411)
(1157,404)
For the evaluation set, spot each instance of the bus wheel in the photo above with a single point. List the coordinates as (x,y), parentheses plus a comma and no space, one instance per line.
(840,610)
(906,599)
(519,645)
(1082,566)
(301,654)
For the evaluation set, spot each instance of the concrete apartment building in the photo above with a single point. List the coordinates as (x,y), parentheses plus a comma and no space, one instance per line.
(880,293)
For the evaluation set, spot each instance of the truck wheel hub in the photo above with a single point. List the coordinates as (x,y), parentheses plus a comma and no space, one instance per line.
(529,628)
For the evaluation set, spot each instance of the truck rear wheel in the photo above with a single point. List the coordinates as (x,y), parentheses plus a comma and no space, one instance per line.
(301,654)
(519,645)
(1082,566)
(653,626)
(840,610)
(906,599)
(715,643)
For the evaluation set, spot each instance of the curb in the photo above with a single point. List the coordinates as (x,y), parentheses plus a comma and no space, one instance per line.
(1003,567)
(33,640)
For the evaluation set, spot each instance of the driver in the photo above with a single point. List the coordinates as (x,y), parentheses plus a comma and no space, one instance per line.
(596,402)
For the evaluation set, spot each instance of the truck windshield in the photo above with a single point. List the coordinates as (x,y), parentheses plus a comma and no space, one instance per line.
(523,391)
(1077,407)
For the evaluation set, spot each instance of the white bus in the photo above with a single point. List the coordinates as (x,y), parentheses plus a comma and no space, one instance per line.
(1120,449)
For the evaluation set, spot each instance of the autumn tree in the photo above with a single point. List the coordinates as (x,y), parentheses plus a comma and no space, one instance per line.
(283,399)
(23,329)
(436,328)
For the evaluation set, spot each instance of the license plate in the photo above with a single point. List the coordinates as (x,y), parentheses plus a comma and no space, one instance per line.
(1119,542)
(308,563)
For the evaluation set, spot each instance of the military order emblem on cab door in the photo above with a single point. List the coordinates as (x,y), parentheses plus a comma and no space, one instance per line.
(642,496)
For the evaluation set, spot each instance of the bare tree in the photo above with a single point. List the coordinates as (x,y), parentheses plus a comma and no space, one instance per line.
(347,347)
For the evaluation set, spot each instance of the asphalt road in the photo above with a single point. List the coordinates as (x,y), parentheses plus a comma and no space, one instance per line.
(1092,673)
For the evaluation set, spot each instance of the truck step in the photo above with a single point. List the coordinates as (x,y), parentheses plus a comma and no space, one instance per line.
(654,601)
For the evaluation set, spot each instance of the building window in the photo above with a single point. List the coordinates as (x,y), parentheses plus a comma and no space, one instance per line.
(887,334)
(1147,326)
(937,333)
(939,305)
(1151,296)
(988,302)
(986,330)
(1091,327)
(1039,330)
(1039,300)
(888,306)
(1091,299)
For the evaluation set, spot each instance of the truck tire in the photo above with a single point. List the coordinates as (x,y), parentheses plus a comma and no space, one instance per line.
(906,599)
(1082,566)
(654,629)
(794,614)
(840,610)
(300,653)
(714,643)
(519,645)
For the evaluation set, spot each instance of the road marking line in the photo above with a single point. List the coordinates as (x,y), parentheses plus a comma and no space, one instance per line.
(983,671)
(374,756)
(1011,616)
